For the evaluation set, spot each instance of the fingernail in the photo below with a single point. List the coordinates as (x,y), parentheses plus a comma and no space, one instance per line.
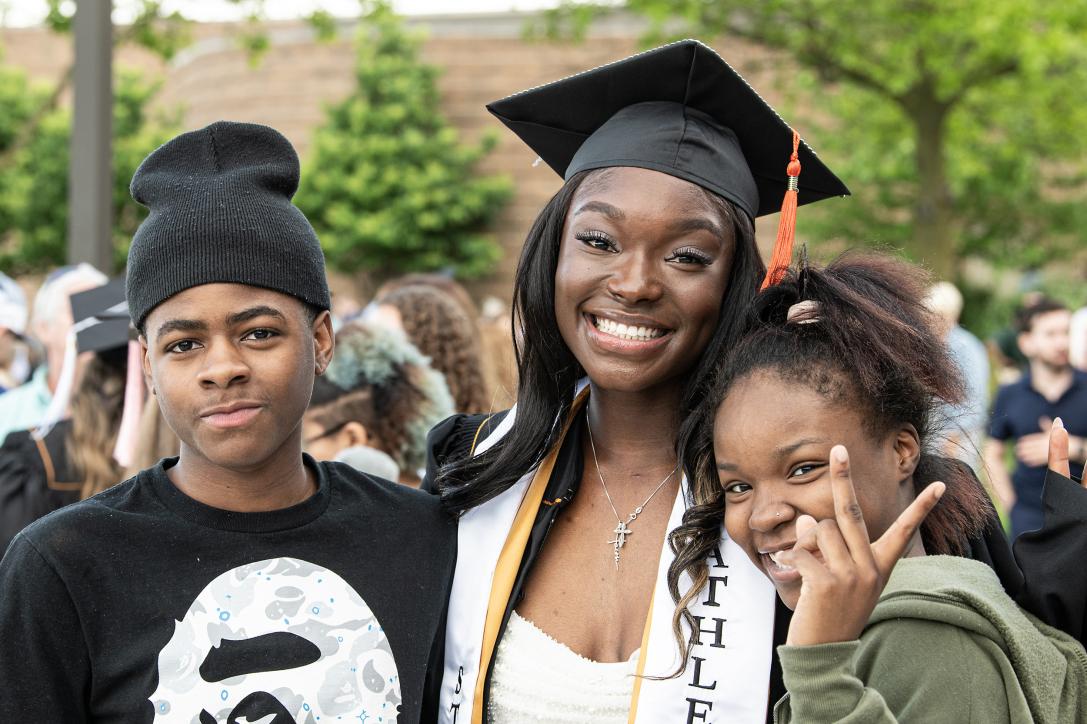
(1058,423)
(838,454)
(940,490)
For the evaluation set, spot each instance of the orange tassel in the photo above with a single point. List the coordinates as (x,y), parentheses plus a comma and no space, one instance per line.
(783,245)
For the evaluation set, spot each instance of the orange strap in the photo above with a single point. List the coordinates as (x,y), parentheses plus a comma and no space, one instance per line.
(509,561)
(50,470)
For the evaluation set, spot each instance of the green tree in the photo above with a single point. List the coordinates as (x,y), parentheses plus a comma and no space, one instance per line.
(388,186)
(956,123)
(34,183)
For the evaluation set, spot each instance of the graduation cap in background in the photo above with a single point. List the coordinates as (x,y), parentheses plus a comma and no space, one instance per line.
(100,316)
(101,322)
(682,110)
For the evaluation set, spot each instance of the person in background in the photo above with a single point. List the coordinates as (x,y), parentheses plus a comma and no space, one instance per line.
(444,333)
(496,339)
(154,440)
(963,428)
(442,282)
(41,471)
(1077,340)
(375,404)
(1023,413)
(27,405)
(14,363)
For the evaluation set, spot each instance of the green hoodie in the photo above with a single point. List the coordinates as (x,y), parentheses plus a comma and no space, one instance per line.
(944,644)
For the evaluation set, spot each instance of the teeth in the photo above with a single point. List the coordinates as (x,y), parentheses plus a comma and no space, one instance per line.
(618,329)
(779,564)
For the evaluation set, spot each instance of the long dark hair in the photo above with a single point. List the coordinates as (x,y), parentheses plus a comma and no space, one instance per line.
(874,346)
(547,370)
(97,407)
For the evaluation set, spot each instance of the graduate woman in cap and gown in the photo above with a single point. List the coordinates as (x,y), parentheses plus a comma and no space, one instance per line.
(632,283)
(71,457)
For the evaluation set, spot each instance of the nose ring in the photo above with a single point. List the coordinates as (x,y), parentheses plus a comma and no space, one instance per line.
(777,514)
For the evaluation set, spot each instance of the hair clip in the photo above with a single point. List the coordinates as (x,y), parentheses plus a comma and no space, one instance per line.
(804,312)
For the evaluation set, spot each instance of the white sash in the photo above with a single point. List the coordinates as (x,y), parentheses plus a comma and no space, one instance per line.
(727,679)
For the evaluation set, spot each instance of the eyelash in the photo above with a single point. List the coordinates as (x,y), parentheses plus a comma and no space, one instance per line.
(809,466)
(271,333)
(172,347)
(589,237)
(592,238)
(698,255)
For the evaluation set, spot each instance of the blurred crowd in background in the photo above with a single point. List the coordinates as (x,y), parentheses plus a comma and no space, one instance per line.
(75,417)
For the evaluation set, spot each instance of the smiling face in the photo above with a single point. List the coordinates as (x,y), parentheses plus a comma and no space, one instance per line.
(233,368)
(771,442)
(643,266)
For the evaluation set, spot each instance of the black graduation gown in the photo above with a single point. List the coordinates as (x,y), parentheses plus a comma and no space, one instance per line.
(1044,575)
(1052,558)
(36,478)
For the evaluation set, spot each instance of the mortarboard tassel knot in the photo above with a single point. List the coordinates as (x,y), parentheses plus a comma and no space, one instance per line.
(783,246)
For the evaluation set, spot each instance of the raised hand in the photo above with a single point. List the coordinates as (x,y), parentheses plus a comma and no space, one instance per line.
(1058,449)
(1033,449)
(843,572)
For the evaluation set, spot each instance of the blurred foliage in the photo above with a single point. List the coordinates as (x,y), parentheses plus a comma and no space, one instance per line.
(388,186)
(34,184)
(35,131)
(956,123)
(153,27)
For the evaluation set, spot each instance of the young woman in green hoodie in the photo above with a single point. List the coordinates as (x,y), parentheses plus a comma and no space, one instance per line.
(843,374)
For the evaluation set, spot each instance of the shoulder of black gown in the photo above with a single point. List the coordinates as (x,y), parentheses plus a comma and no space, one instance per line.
(453,439)
(1052,558)
(24,490)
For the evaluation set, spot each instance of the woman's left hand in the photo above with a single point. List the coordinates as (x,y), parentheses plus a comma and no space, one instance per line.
(840,586)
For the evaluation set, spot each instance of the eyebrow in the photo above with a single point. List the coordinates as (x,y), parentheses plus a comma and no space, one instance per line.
(195,325)
(778,452)
(612,212)
(695,223)
(784,450)
(261,310)
(180,325)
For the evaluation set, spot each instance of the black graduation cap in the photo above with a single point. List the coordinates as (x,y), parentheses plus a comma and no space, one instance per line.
(101,317)
(680,109)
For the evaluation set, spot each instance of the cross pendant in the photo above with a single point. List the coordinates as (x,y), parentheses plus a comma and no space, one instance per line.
(621,533)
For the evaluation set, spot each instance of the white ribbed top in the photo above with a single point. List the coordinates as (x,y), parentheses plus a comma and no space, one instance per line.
(538,679)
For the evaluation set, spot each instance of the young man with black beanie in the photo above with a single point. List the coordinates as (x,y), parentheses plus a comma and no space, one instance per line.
(241,581)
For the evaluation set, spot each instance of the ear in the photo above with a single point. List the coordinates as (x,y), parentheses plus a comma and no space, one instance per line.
(145,365)
(907,450)
(1023,341)
(324,342)
(355,433)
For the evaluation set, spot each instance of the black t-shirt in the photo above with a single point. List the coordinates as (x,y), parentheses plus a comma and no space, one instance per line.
(142,604)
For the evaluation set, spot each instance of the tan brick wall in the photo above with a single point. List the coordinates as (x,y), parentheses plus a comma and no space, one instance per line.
(482,58)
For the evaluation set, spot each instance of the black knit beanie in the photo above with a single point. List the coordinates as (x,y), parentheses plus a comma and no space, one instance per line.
(221,211)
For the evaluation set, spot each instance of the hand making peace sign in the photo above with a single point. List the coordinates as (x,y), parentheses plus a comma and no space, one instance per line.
(843,572)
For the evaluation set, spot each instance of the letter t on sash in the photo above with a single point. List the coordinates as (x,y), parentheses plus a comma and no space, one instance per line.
(711,595)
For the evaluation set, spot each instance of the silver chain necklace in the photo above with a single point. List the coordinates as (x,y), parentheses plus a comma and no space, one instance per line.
(622,531)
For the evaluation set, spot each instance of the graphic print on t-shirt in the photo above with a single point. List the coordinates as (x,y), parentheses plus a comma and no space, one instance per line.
(281,641)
